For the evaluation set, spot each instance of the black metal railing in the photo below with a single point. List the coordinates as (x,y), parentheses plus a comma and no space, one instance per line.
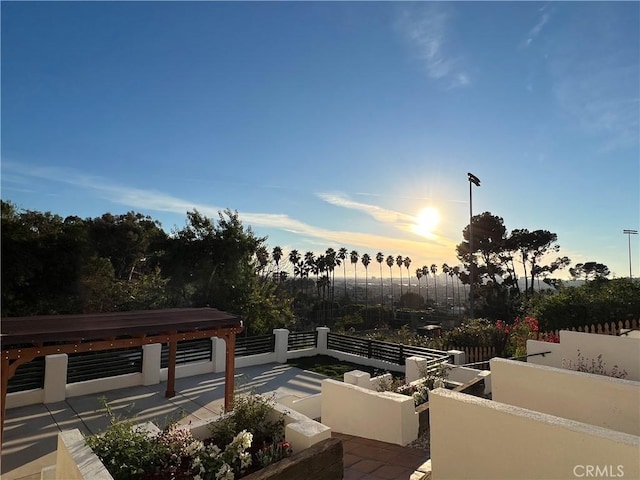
(389,352)
(108,363)
(188,351)
(28,376)
(255,345)
(300,340)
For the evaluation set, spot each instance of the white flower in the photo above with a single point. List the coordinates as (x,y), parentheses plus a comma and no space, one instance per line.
(225,473)
(438,383)
(197,477)
(245,439)
(245,460)
(194,447)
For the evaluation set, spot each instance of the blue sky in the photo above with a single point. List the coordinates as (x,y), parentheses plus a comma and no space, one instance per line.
(331,124)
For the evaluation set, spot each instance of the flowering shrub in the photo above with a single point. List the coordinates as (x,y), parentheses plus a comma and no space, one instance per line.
(595,366)
(419,390)
(519,332)
(129,452)
(273,453)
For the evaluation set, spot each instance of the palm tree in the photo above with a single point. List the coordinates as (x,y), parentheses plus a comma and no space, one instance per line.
(390,264)
(407,262)
(332,262)
(294,258)
(262,257)
(366,260)
(354,262)
(445,270)
(342,255)
(456,272)
(399,260)
(425,272)
(277,255)
(380,259)
(418,276)
(310,264)
(453,288)
(434,270)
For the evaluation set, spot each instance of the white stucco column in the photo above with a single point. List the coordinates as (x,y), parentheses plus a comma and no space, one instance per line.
(282,344)
(55,377)
(151,361)
(414,367)
(219,354)
(459,357)
(323,333)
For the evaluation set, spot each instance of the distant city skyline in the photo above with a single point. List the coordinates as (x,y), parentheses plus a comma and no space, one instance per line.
(332,124)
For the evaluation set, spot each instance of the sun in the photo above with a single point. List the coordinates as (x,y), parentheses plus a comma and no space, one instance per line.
(426,221)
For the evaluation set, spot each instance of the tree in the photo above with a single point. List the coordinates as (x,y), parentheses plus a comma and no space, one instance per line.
(332,262)
(407,264)
(456,272)
(434,271)
(445,270)
(390,264)
(419,276)
(310,264)
(590,271)
(294,258)
(277,255)
(425,273)
(380,259)
(399,261)
(489,242)
(342,256)
(532,247)
(366,260)
(597,301)
(354,261)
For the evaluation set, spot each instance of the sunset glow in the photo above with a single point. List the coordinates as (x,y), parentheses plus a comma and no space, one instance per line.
(426,221)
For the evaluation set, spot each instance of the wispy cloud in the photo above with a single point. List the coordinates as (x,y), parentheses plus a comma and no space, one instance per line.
(399,219)
(150,200)
(602,98)
(428,31)
(545,15)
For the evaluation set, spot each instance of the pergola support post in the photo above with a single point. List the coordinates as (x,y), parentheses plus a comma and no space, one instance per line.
(229,372)
(171,368)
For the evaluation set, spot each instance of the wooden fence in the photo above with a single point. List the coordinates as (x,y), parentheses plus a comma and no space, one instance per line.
(613,328)
(483,354)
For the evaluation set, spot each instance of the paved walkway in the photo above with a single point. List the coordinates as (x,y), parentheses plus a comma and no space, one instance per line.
(30,435)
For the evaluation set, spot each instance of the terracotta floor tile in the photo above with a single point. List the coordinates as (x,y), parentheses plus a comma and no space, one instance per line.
(348,459)
(354,475)
(374,453)
(393,472)
(366,465)
(408,460)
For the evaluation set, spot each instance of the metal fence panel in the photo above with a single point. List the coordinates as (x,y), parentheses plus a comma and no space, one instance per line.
(28,376)
(255,345)
(188,351)
(91,365)
(300,340)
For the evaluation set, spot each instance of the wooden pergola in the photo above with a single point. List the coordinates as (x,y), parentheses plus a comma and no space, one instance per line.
(26,338)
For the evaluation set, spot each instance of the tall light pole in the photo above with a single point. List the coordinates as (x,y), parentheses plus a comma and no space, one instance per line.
(473,180)
(628,233)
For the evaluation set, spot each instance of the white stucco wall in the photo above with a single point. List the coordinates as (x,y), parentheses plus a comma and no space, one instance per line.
(482,439)
(593,399)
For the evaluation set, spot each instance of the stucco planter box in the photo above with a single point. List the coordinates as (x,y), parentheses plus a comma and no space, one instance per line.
(316,456)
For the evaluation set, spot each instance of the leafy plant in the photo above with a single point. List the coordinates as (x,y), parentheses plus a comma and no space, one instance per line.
(127,450)
(253,413)
(130,452)
(594,365)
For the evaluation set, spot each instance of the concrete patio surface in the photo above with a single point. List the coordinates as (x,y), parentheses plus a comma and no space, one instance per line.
(30,433)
